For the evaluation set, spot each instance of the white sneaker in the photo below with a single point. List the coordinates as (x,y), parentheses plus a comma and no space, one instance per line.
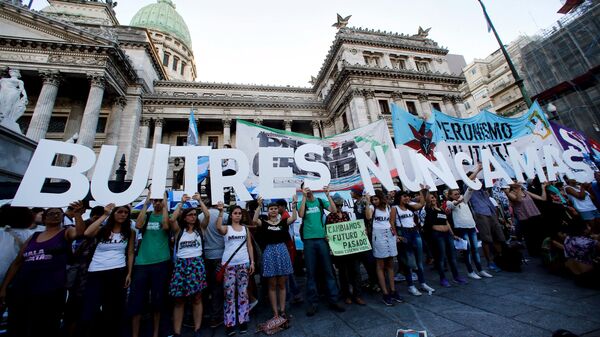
(485,274)
(399,278)
(474,276)
(427,288)
(413,291)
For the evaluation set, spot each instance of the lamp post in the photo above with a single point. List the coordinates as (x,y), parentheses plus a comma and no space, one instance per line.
(513,70)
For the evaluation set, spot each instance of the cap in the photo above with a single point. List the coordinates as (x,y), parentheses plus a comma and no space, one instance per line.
(357,190)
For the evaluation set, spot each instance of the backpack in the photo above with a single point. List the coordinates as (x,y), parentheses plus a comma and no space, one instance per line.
(322,207)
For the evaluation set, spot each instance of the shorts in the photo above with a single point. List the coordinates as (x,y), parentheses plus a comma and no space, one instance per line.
(150,279)
(589,215)
(490,230)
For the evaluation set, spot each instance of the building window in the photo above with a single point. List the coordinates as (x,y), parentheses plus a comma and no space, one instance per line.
(213,142)
(473,71)
(101,127)
(182,70)
(411,107)
(372,59)
(384,107)
(398,62)
(57,124)
(422,66)
(345,121)
(436,106)
(166,57)
(175,63)
(467,105)
(181,141)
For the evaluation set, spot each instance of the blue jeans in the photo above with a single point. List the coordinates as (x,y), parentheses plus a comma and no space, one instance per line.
(317,259)
(470,235)
(413,245)
(445,248)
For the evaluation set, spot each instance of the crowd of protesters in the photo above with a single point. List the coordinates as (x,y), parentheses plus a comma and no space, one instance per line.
(66,276)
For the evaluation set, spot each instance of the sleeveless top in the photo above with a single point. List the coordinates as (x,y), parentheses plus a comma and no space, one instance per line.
(233,239)
(44,267)
(381,219)
(189,245)
(526,208)
(110,254)
(585,205)
(405,219)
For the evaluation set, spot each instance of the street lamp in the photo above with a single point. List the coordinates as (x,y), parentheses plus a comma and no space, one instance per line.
(551,113)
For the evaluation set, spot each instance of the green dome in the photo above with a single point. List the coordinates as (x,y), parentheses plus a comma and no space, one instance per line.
(163,17)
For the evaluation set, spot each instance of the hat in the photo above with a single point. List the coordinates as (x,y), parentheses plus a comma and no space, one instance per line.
(337,199)
(357,190)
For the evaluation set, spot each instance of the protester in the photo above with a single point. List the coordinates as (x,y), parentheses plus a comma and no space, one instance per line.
(582,250)
(443,236)
(292,285)
(529,216)
(35,281)
(316,250)
(464,225)
(15,229)
(152,264)
(403,217)
(109,273)
(581,200)
(189,274)
(238,261)
(348,265)
(384,238)
(366,258)
(595,187)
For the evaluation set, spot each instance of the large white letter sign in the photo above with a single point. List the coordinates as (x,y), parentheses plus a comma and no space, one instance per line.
(267,172)
(381,172)
(583,172)
(411,184)
(190,154)
(160,167)
(100,191)
(531,166)
(218,182)
(488,160)
(442,170)
(312,166)
(40,168)
(555,165)
(459,159)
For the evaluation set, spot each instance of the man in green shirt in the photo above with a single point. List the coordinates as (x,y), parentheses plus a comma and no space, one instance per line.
(152,264)
(316,250)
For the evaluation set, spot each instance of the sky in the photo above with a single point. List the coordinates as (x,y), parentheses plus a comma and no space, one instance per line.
(278,42)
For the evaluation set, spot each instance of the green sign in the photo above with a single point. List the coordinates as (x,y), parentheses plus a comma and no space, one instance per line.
(348,237)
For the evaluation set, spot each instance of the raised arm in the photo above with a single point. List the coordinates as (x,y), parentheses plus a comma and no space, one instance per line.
(468,195)
(579,195)
(514,196)
(368,212)
(173,221)
(542,197)
(94,228)
(303,202)
(332,206)
(476,171)
(204,223)
(255,219)
(294,216)
(220,228)
(165,213)
(141,218)
(424,193)
(77,231)
(185,198)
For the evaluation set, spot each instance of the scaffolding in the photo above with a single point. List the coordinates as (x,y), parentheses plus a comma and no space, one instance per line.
(562,66)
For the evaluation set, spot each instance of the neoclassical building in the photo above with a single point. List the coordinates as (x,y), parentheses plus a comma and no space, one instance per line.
(91,77)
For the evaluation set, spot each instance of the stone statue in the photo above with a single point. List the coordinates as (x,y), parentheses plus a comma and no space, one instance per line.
(13,100)
(422,33)
(341,21)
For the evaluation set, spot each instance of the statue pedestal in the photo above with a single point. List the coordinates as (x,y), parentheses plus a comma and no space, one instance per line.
(17,151)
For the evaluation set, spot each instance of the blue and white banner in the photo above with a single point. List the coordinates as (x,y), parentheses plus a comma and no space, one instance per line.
(194,139)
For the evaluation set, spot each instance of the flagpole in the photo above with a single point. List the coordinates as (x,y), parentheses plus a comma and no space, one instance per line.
(518,79)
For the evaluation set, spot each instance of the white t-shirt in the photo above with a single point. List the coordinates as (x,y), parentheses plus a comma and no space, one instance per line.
(233,239)
(381,219)
(405,219)
(190,245)
(461,215)
(110,254)
(585,205)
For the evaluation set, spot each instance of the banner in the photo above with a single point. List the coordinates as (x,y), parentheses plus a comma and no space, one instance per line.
(451,135)
(569,138)
(347,237)
(338,153)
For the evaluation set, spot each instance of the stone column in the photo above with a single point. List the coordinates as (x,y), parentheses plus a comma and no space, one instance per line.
(158,126)
(358,108)
(44,106)
(397,99)
(349,117)
(449,109)
(144,133)
(315,126)
(89,123)
(288,125)
(227,131)
(425,106)
(113,125)
(459,106)
(372,108)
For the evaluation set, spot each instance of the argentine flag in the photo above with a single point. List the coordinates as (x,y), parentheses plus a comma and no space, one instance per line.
(192,140)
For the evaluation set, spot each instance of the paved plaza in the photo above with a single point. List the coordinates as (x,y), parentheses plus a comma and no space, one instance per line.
(528,304)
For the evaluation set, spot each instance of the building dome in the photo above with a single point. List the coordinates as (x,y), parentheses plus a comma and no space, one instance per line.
(163,17)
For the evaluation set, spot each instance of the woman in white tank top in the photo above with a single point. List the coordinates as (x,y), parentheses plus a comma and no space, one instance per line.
(583,202)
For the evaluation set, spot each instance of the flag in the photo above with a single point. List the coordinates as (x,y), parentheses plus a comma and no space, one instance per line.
(488,24)
(193,140)
(569,6)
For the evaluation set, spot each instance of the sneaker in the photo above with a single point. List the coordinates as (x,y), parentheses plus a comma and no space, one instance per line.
(493,267)
(348,300)
(427,288)
(311,310)
(461,280)
(474,276)
(215,323)
(413,291)
(396,297)
(387,300)
(444,283)
(229,330)
(336,307)
(414,276)
(253,304)
(243,328)
(399,278)
(484,273)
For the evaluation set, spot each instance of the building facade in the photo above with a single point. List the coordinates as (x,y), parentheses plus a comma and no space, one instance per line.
(95,81)
(490,84)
